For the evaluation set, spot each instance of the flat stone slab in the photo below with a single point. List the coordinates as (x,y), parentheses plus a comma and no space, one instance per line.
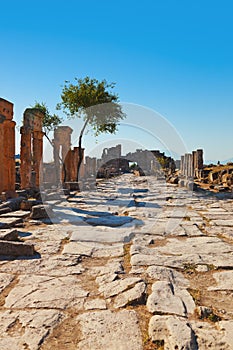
(114,288)
(227,223)
(16,248)
(5,280)
(16,214)
(9,222)
(95,304)
(165,298)
(111,221)
(93,249)
(178,253)
(133,296)
(103,330)
(45,292)
(99,234)
(217,336)
(224,281)
(26,329)
(174,331)
(170,275)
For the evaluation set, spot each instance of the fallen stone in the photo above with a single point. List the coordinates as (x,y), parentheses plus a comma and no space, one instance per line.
(16,214)
(42,212)
(10,248)
(8,235)
(9,222)
(174,331)
(133,296)
(103,330)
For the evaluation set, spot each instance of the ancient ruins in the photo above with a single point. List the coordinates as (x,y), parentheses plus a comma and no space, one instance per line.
(136,261)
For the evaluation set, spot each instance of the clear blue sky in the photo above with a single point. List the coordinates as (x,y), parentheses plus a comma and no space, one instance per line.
(173,56)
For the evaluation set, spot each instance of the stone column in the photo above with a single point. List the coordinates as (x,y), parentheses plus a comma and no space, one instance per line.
(1,154)
(38,156)
(25,157)
(190,165)
(182,165)
(9,155)
(7,146)
(186,164)
(199,159)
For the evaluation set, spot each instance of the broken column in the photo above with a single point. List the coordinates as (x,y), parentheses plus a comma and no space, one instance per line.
(7,147)
(61,152)
(31,151)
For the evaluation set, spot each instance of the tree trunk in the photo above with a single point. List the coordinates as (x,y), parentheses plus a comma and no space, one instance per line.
(80,153)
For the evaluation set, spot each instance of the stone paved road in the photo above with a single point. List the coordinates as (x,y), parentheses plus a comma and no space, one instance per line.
(137,264)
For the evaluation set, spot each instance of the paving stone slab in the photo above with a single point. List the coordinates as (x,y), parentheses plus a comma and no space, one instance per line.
(217,336)
(27,329)
(166,298)
(224,281)
(114,288)
(174,331)
(103,330)
(46,292)
(5,280)
(135,295)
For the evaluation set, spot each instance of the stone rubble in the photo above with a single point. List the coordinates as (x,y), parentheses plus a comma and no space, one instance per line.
(160,280)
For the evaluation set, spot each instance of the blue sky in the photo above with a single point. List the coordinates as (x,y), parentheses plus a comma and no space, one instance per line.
(175,57)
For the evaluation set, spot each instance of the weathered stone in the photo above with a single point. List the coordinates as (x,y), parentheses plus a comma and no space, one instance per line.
(5,280)
(42,212)
(8,235)
(133,296)
(9,222)
(166,298)
(110,330)
(44,292)
(16,248)
(174,331)
(114,288)
(211,337)
(16,214)
(111,221)
(95,304)
(170,275)
(224,280)
(27,329)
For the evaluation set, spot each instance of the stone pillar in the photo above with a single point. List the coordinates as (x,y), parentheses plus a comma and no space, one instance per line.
(31,148)
(182,165)
(190,165)
(199,159)
(7,147)
(186,164)
(62,145)
(25,157)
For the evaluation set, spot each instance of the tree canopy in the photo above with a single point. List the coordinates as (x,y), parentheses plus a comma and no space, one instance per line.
(95,103)
(50,121)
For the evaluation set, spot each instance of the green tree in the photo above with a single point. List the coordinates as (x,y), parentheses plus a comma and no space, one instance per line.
(95,103)
(50,121)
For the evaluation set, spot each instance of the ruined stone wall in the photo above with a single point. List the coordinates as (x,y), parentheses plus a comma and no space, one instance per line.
(7,147)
